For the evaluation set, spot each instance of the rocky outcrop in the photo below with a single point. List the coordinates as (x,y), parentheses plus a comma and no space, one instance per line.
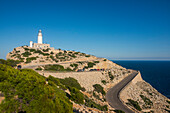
(148,98)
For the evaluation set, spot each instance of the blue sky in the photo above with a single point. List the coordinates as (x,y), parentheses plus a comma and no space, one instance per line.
(114,29)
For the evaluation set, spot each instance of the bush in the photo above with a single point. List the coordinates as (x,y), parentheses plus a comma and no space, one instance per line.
(10,62)
(26,49)
(32,50)
(27,91)
(40,52)
(90,64)
(104,82)
(146,100)
(56,81)
(52,52)
(71,82)
(46,50)
(54,67)
(168,101)
(119,111)
(53,59)
(96,62)
(134,104)
(28,60)
(111,76)
(87,55)
(26,54)
(92,104)
(76,95)
(104,59)
(39,68)
(99,89)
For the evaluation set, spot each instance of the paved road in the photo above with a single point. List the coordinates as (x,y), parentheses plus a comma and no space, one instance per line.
(35,65)
(112,95)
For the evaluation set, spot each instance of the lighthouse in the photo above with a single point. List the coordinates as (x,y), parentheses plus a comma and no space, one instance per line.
(39,44)
(39,37)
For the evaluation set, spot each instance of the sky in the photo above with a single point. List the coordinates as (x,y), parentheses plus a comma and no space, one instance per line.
(114,29)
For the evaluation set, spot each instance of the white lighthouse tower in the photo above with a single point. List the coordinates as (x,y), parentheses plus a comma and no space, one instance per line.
(39,37)
(40,44)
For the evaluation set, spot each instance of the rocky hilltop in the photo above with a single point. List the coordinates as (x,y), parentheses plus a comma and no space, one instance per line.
(95,75)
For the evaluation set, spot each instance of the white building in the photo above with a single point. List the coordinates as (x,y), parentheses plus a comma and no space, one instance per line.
(40,44)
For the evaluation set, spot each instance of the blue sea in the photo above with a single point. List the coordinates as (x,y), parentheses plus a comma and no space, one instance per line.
(156,73)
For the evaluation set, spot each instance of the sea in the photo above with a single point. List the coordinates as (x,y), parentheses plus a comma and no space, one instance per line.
(156,73)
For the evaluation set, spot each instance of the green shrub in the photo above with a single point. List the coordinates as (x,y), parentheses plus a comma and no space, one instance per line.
(104,82)
(71,82)
(53,59)
(76,95)
(92,104)
(40,52)
(54,67)
(46,50)
(146,100)
(56,81)
(99,89)
(87,55)
(17,51)
(32,50)
(27,91)
(26,54)
(168,101)
(10,62)
(26,49)
(111,76)
(90,64)
(52,52)
(119,111)
(39,68)
(96,62)
(28,60)
(105,60)
(76,52)
(134,104)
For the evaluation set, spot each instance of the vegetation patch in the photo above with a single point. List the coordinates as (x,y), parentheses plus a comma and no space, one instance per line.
(40,52)
(168,101)
(90,103)
(26,49)
(110,76)
(146,100)
(28,60)
(119,111)
(134,104)
(90,64)
(76,95)
(96,62)
(87,55)
(27,91)
(104,82)
(26,54)
(54,67)
(10,62)
(53,59)
(39,68)
(99,89)
(46,50)
(70,82)
(32,50)
(56,81)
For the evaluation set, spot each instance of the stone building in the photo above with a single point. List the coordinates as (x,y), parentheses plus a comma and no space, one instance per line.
(39,44)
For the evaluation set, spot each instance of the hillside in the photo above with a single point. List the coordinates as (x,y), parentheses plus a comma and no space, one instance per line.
(94,76)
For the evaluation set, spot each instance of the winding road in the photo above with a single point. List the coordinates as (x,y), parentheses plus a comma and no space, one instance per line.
(112,96)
